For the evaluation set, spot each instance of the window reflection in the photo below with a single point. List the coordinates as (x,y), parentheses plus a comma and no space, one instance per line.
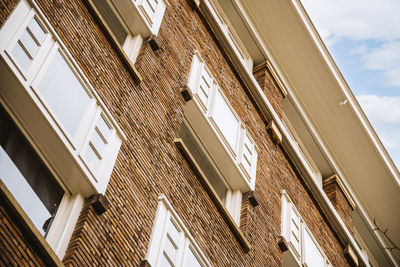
(225,119)
(26,177)
(64,93)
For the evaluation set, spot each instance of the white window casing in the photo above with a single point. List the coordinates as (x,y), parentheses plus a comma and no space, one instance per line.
(171,244)
(142,17)
(129,41)
(64,223)
(219,129)
(230,34)
(57,105)
(304,250)
(132,46)
(301,149)
(312,255)
(37,71)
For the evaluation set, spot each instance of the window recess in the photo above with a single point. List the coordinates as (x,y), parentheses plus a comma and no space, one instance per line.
(27,177)
(230,34)
(231,199)
(54,102)
(303,249)
(127,41)
(301,149)
(171,244)
(138,17)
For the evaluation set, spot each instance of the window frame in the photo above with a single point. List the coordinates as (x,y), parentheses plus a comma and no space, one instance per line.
(243,180)
(132,43)
(68,210)
(299,256)
(137,19)
(43,130)
(76,144)
(230,34)
(163,216)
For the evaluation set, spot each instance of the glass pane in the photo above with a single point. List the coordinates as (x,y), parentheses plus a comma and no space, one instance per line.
(191,260)
(112,21)
(246,163)
(205,165)
(37,30)
(225,120)
(248,145)
(164,261)
(170,249)
(147,5)
(21,190)
(174,233)
(153,3)
(313,256)
(295,219)
(27,178)
(92,159)
(104,129)
(98,143)
(247,153)
(295,230)
(205,87)
(20,56)
(206,77)
(64,93)
(29,44)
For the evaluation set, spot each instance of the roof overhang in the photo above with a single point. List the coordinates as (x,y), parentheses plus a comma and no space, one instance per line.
(316,86)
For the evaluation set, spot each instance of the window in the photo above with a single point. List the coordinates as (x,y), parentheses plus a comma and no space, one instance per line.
(218,140)
(171,243)
(71,138)
(230,198)
(63,93)
(131,21)
(231,36)
(312,256)
(51,89)
(130,42)
(303,249)
(26,176)
(220,117)
(28,44)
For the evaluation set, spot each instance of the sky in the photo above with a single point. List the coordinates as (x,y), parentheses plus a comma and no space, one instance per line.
(363,37)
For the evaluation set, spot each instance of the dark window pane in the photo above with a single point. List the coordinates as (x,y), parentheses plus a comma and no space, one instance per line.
(111,20)
(206,166)
(26,176)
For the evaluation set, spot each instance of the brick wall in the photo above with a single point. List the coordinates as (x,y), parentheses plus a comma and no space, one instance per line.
(148,164)
(269,87)
(15,248)
(340,202)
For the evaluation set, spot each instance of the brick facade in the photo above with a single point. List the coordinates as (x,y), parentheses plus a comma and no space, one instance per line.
(269,87)
(150,114)
(341,203)
(15,248)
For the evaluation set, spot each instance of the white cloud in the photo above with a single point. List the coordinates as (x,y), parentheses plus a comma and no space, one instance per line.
(362,21)
(384,114)
(360,50)
(371,28)
(381,109)
(386,59)
(355,19)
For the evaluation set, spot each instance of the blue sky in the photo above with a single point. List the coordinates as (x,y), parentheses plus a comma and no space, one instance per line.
(363,36)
